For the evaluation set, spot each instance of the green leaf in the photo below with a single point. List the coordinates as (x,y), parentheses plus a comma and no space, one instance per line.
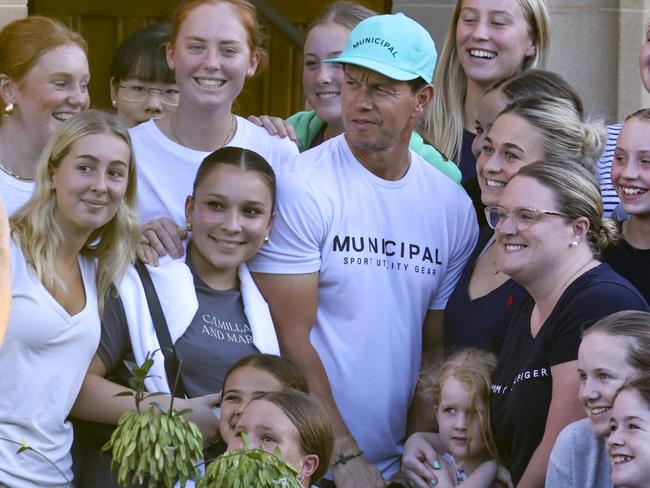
(123,393)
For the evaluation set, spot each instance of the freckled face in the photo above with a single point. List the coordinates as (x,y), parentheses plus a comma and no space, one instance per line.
(211,57)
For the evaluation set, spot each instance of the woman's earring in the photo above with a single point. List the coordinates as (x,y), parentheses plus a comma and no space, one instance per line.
(188,226)
(573,243)
(9,109)
(266,239)
(114,103)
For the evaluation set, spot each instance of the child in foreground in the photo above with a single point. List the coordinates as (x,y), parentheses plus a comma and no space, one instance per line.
(461,398)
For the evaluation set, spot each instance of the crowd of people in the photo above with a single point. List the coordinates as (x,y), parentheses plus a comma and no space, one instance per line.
(413,282)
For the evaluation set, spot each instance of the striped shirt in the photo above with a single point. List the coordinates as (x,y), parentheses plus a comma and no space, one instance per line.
(604,166)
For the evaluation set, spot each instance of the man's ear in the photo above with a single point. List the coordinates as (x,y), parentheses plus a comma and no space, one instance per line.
(423,97)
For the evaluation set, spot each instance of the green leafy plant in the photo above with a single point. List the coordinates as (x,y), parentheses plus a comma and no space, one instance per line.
(157,447)
(249,468)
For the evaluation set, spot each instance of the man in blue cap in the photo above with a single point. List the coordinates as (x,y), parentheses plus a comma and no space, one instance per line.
(368,243)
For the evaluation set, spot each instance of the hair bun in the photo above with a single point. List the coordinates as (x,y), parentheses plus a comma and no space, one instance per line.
(594,139)
(607,235)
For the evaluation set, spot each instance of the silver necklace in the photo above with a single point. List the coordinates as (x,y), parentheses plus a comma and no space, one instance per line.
(227,139)
(14,175)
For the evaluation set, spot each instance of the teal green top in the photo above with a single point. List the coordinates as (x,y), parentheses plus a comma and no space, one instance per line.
(307,125)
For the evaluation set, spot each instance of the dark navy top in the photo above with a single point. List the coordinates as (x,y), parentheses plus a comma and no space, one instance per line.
(481,322)
(522,383)
(466,161)
(467,166)
(632,264)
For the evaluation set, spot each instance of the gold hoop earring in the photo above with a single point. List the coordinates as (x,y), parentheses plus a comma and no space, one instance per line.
(9,109)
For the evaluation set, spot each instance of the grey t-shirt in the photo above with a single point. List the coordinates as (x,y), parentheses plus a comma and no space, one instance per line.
(218,336)
(579,459)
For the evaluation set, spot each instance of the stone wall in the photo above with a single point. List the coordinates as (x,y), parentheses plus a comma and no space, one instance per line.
(594,45)
(12,10)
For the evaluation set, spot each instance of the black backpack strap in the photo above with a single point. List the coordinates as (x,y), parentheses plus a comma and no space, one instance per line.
(162,331)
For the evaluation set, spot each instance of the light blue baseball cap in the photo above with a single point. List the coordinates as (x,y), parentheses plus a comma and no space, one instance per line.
(394,45)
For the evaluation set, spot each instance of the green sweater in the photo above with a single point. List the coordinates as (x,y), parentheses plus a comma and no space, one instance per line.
(307,125)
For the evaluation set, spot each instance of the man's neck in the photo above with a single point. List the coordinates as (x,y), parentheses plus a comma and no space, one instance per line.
(390,163)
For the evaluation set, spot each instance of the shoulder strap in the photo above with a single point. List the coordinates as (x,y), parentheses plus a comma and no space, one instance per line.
(162,331)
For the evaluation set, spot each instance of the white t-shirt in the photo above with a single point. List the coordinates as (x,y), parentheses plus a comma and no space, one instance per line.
(387,251)
(43,361)
(166,170)
(14,192)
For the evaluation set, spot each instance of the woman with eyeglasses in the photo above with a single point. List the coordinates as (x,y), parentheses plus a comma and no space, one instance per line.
(485,299)
(480,308)
(550,231)
(142,85)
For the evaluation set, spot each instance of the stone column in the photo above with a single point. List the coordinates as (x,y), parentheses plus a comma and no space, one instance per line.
(594,46)
(12,10)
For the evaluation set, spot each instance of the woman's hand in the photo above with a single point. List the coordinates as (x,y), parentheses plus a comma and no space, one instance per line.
(420,460)
(356,473)
(503,477)
(204,415)
(160,237)
(275,126)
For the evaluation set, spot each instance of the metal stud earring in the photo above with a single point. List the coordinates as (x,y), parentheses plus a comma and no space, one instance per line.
(266,239)
(9,109)
(188,226)
(573,243)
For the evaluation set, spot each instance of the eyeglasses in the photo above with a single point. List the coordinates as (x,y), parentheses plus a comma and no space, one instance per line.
(522,217)
(139,93)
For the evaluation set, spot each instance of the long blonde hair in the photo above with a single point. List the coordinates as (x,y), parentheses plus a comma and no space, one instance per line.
(443,118)
(113,244)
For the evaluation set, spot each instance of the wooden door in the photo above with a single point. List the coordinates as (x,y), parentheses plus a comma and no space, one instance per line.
(105,23)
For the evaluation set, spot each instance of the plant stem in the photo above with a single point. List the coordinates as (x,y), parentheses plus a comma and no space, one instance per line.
(178,376)
(27,448)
